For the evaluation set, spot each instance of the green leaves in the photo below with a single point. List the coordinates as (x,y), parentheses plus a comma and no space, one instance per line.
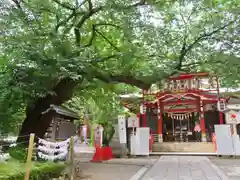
(112,41)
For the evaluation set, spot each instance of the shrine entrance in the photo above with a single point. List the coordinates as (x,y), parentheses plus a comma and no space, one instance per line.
(171,111)
(178,129)
(180,104)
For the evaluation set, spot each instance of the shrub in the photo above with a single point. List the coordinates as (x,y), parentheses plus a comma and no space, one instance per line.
(40,171)
(18,153)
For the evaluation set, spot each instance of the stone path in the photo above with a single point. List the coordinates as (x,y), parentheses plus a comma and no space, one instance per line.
(184,168)
(230,166)
(115,169)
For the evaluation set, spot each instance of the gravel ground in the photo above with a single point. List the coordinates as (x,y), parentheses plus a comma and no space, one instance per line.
(231,166)
(116,169)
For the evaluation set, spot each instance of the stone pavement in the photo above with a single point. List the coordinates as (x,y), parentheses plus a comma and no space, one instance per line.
(230,166)
(115,169)
(184,168)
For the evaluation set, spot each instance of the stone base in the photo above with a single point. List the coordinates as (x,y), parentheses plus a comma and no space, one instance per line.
(117,147)
(197,147)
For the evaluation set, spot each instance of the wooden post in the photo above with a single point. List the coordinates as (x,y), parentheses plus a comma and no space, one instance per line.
(29,156)
(71,151)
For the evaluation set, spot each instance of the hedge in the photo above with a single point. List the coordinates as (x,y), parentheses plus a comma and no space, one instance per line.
(39,171)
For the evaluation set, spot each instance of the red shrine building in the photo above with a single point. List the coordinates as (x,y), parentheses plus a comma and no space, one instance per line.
(172,110)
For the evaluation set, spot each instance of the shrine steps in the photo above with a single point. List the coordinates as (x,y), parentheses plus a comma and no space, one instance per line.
(182,154)
(184,147)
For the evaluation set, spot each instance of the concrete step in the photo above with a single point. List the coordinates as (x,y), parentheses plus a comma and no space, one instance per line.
(182,154)
(203,147)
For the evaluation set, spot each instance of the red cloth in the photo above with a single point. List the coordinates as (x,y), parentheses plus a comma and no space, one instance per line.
(107,153)
(102,154)
(98,156)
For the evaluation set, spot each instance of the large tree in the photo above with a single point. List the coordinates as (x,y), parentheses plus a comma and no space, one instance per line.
(51,47)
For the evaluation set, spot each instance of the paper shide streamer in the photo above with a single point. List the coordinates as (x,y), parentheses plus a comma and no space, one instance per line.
(4,157)
(53,151)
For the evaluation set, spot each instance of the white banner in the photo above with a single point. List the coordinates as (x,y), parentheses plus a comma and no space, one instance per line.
(122,129)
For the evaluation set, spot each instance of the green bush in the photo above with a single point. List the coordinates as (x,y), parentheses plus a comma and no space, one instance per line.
(39,171)
(18,153)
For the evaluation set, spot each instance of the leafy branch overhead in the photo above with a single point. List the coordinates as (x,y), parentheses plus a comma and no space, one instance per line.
(48,45)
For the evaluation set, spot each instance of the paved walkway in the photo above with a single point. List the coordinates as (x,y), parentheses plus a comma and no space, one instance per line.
(115,169)
(230,166)
(184,168)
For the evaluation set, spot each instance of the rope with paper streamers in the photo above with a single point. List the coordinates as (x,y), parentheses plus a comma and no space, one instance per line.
(4,157)
(52,151)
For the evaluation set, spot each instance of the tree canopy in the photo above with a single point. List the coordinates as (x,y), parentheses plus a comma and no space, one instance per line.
(51,47)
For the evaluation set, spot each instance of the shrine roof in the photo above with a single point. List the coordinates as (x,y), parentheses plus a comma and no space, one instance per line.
(189,75)
(132,101)
(64,111)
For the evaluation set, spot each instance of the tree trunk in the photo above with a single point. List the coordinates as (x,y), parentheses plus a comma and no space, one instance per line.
(36,122)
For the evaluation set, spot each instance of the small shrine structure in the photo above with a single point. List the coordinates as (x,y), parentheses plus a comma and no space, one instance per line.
(62,126)
(178,104)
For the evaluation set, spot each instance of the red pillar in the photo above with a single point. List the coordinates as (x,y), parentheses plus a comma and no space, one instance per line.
(221,117)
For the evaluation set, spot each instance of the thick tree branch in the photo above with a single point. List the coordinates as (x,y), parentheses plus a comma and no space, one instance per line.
(110,78)
(62,23)
(104,37)
(84,18)
(182,53)
(207,35)
(90,5)
(72,15)
(17,3)
(185,49)
(93,35)
(64,5)
(103,59)
(107,24)
(93,11)
(123,79)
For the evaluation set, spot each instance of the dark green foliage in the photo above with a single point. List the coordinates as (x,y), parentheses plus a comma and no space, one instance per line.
(18,153)
(108,134)
(41,171)
(43,41)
